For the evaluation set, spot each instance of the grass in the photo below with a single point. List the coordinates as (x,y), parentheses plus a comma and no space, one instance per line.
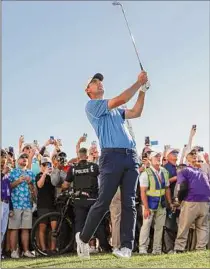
(187,260)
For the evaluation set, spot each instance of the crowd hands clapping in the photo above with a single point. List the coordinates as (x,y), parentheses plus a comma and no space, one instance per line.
(34,176)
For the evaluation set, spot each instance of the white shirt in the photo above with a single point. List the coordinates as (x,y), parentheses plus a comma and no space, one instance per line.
(144,180)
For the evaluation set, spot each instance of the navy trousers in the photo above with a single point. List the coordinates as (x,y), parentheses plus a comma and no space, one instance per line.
(117,167)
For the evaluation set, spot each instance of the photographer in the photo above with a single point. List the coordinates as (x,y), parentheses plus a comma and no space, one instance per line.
(59,173)
(84,176)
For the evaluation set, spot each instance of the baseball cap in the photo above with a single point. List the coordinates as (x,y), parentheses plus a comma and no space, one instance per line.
(170,150)
(26,145)
(98,76)
(83,151)
(45,160)
(191,151)
(154,154)
(22,155)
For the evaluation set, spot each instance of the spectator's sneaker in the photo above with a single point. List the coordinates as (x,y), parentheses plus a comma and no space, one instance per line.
(15,254)
(115,250)
(156,253)
(123,253)
(178,251)
(143,252)
(93,250)
(28,254)
(82,248)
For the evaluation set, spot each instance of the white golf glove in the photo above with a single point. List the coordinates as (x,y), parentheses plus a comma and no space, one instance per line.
(145,87)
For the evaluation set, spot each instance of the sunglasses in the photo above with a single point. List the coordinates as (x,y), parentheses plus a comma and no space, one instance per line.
(174,152)
(27,148)
(24,157)
(46,164)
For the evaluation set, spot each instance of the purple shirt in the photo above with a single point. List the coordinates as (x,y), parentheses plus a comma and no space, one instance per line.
(198,184)
(5,187)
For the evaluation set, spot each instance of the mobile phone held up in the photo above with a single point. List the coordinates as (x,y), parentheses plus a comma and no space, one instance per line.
(154,143)
(94,144)
(147,141)
(35,143)
(52,138)
(85,135)
(49,165)
(194,126)
(59,142)
(11,149)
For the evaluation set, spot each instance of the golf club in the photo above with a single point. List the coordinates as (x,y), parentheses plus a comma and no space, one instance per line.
(117,3)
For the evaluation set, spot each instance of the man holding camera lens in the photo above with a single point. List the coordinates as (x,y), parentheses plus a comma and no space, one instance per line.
(59,172)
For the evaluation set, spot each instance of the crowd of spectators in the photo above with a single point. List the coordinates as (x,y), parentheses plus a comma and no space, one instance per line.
(172,197)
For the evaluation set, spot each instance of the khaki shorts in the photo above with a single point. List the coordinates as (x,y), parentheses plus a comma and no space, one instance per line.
(22,219)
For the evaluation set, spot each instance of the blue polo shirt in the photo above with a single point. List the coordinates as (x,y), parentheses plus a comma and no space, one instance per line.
(109,125)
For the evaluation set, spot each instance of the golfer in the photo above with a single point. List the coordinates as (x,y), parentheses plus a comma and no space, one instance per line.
(118,163)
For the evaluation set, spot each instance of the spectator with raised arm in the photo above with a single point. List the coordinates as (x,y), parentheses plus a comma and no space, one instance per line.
(194,195)
(22,183)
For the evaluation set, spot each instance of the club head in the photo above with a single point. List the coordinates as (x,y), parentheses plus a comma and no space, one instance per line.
(116,3)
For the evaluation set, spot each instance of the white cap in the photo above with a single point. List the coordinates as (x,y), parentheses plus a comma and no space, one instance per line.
(154,154)
(45,160)
(171,150)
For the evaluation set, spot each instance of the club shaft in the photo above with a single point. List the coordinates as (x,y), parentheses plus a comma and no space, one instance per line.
(132,38)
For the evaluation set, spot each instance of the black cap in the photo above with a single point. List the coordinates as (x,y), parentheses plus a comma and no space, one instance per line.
(62,154)
(99,76)
(83,151)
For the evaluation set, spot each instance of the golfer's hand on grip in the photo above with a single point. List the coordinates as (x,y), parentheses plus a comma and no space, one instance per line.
(143,79)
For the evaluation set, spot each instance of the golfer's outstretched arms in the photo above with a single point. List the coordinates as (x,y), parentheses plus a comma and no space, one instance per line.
(125,96)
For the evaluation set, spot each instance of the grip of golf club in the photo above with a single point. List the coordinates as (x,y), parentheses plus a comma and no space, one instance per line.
(147,85)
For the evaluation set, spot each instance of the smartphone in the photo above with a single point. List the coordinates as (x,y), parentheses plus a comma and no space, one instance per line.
(147,141)
(49,165)
(200,149)
(194,126)
(85,135)
(35,142)
(52,138)
(154,143)
(94,144)
(59,142)
(166,147)
(11,149)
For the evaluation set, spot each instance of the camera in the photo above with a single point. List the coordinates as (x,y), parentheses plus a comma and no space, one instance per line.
(62,158)
(200,149)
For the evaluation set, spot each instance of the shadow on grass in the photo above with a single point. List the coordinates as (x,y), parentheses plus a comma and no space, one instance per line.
(56,263)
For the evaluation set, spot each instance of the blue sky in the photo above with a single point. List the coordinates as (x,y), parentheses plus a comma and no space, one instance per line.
(50,49)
